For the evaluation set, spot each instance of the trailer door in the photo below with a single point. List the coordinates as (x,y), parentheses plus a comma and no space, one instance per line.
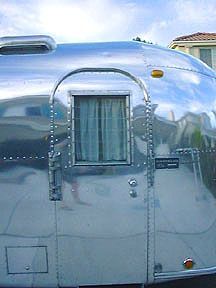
(102,212)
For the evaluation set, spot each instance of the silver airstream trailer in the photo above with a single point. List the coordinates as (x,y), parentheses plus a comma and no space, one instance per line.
(107,164)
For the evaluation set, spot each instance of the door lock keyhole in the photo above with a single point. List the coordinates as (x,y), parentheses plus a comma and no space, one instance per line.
(132,182)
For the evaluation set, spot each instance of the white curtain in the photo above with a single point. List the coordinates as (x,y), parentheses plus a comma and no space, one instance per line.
(113,129)
(86,127)
(101,130)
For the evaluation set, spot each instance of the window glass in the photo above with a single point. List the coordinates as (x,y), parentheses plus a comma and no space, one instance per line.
(100,129)
(205,56)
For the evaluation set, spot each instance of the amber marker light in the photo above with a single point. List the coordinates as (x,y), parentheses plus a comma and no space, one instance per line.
(188,263)
(157,73)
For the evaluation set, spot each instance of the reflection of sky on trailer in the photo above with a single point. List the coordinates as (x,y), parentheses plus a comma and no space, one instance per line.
(100,204)
(82,216)
(26,220)
(85,218)
(81,219)
(26,197)
(101,227)
(185,210)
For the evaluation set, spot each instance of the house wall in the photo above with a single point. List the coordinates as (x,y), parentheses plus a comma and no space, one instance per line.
(181,48)
(195,51)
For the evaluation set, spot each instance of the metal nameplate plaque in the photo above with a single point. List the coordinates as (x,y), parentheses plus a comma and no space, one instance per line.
(166,163)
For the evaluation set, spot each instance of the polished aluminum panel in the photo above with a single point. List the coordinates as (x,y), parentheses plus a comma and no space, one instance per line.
(27,225)
(112,231)
(185,127)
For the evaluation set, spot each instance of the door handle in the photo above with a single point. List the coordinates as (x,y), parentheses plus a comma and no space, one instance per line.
(55,176)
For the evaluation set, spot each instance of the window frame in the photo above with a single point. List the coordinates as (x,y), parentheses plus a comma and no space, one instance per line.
(71,125)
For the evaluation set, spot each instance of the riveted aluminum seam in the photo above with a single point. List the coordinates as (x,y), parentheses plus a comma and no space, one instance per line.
(150,181)
(52,127)
(70,130)
(150,196)
(10,158)
(56,242)
(197,151)
(52,146)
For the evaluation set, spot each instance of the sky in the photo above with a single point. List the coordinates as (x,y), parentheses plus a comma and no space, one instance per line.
(158,21)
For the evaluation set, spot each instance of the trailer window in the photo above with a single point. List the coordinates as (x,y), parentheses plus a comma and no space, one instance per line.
(101,130)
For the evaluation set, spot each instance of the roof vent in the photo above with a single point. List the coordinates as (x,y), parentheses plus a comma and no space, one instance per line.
(20,45)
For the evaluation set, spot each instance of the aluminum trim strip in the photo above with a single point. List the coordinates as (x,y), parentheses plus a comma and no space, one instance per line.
(184,274)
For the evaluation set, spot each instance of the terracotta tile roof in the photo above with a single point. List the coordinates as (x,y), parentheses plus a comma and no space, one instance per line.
(199,36)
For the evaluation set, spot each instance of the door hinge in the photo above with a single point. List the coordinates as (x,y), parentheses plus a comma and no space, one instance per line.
(55,176)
